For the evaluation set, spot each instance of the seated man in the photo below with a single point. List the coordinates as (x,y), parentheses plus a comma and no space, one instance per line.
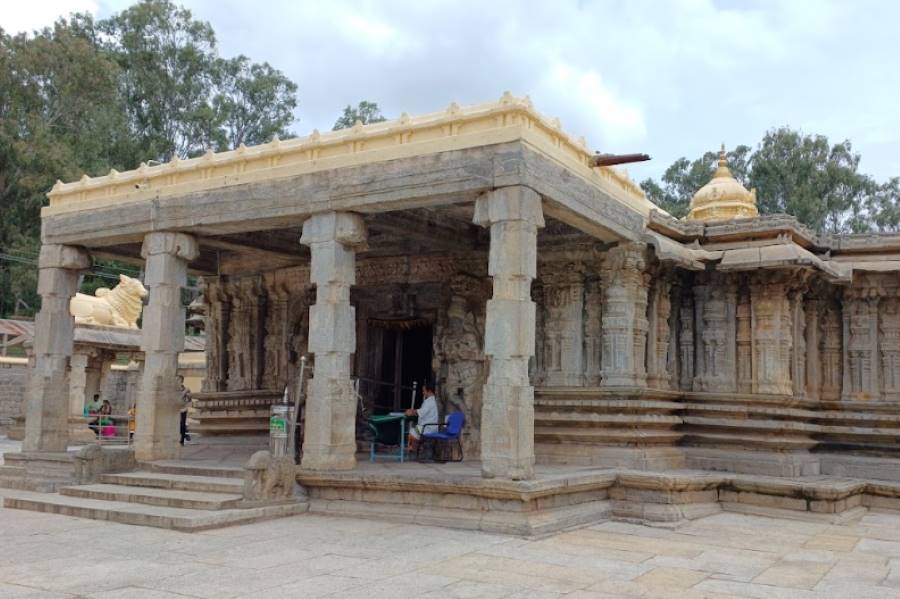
(427,414)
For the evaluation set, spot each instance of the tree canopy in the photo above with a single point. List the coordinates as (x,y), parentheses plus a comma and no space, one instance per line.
(86,96)
(365,112)
(793,173)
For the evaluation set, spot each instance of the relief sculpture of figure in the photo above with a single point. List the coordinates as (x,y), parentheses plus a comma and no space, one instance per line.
(117,307)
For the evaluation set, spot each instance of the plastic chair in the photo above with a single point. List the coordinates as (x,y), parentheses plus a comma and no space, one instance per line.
(446,435)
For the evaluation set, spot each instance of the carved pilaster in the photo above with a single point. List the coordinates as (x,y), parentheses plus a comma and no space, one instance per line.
(813,313)
(772,334)
(798,353)
(277,323)
(717,306)
(218,322)
(686,341)
(744,342)
(889,341)
(831,349)
(563,287)
(593,339)
(658,332)
(624,322)
(861,359)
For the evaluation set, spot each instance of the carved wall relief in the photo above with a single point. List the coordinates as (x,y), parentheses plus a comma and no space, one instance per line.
(889,330)
(717,306)
(831,351)
(861,360)
(813,313)
(686,340)
(217,326)
(593,340)
(658,334)
(744,342)
(798,352)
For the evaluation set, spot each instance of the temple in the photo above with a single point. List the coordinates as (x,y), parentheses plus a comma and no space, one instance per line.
(576,326)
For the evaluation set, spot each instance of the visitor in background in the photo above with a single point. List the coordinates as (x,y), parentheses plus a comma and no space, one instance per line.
(92,408)
(185,403)
(427,415)
(105,421)
(132,413)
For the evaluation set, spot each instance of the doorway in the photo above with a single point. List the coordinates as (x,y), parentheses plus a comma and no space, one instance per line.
(405,358)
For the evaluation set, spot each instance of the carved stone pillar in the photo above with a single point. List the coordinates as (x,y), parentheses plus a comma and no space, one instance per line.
(772,334)
(46,419)
(832,352)
(798,353)
(889,342)
(861,360)
(78,380)
(624,323)
(563,287)
(813,313)
(277,323)
(658,333)
(744,342)
(686,341)
(717,307)
(507,417)
(162,338)
(217,325)
(329,441)
(593,339)
(239,338)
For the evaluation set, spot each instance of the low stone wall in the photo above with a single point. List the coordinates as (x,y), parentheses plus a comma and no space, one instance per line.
(13,381)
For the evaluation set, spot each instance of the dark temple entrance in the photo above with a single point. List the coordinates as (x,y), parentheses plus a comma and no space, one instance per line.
(405,348)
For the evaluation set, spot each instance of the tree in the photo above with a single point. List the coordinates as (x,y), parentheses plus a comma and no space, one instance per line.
(684,177)
(365,112)
(805,176)
(254,102)
(884,206)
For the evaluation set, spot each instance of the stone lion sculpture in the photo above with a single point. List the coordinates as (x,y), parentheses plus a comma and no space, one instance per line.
(117,307)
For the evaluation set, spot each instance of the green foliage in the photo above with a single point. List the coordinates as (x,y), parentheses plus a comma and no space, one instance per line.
(82,97)
(365,112)
(793,173)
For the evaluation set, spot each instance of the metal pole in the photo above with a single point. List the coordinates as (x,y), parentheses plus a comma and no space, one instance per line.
(412,398)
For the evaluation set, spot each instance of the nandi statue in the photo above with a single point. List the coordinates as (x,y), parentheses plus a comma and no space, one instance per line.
(118,307)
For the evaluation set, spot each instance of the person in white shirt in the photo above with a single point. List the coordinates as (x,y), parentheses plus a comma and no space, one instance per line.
(427,414)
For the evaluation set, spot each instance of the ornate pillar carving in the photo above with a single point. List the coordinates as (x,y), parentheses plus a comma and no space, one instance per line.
(47,413)
(889,341)
(658,331)
(744,342)
(277,322)
(861,359)
(686,341)
(162,339)
(563,286)
(514,215)
(717,307)
(798,353)
(593,339)
(217,325)
(772,334)
(831,348)
(624,322)
(329,441)
(813,314)
(239,346)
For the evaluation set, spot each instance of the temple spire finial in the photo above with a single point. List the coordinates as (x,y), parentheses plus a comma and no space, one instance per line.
(723,160)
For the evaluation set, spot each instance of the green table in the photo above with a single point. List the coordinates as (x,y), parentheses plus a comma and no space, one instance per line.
(375,422)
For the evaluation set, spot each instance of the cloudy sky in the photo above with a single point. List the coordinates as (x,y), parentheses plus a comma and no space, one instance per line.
(670,78)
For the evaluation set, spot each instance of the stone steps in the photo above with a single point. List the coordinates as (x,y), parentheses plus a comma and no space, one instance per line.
(193,470)
(182,519)
(179,482)
(194,500)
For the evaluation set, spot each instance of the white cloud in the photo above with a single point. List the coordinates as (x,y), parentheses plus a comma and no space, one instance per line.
(30,15)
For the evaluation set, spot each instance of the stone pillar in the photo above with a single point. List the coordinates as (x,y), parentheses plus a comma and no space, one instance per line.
(772,335)
(861,363)
(798,353)
(276,326)
(832,352)
(686,341)
(624,323)
(717,316)
(658,332)
(813,313)
(514,215)
(329,440)
(217,324)
(744,342)
(78,382)
(593,339)
(889,343)
(563,287)
(47,412)
(166,257)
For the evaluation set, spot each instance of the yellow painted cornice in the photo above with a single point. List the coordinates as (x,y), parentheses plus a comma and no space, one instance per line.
(508,119)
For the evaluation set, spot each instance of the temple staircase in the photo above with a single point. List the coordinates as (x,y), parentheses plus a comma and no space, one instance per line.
(176,497)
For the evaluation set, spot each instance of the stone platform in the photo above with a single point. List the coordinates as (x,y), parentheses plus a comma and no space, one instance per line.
(456,496)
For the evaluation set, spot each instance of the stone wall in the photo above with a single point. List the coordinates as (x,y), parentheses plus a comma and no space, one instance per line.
(13,381)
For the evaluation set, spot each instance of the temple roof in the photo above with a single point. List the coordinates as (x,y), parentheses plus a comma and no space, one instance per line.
(723,198)
(457,127)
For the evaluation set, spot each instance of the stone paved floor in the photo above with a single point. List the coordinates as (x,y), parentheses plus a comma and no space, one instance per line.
(727,555)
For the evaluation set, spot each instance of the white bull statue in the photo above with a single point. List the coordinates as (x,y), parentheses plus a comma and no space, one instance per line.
(117,307)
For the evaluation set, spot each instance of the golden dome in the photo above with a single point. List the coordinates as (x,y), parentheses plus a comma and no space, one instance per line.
(723,198)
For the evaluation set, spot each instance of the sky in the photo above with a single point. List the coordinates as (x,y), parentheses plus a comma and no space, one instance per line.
(670,78)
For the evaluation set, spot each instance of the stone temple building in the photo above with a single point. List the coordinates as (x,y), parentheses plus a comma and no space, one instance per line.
(568,318)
